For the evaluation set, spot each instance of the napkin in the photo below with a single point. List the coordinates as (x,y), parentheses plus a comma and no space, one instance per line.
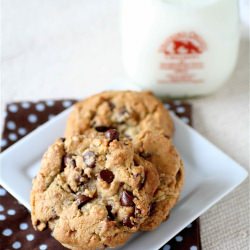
(16,231)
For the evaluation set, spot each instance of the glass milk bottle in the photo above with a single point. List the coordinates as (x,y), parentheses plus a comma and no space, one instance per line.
(180,48)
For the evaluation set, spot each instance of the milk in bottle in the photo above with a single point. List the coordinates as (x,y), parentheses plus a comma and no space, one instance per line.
(179,48)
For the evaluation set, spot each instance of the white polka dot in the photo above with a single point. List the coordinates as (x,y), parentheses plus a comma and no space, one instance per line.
(185,119)
(1,208)
(11,212)
(2,192)
(13,108)
(180,109)
(67,104)
(189,226)
(2,217)
(179,238)
(22,131)
(43,247)
(7,232)
(51,116)
(12,136)
(23,226)
(16,245)
(3,142)
(40,107)
(167,247)
(11,125)
(25,105)
(32,118)
(50,103)
(30,237)
(193,248)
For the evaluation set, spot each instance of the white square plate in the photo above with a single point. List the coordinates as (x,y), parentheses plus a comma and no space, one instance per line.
(210,175)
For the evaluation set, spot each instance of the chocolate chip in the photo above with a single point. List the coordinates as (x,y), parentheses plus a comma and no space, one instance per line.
(152,209)
(111,216)
(127,222)
(69,161)
(37,222)
(136,163)
(63,139)
(145,155)
(107,175)
(126,199)
(112,134)
(166,136)
(89,159)
(82,200)
(101,128)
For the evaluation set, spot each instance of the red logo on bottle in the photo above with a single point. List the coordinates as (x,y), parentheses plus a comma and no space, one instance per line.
(183,43)
(181,60)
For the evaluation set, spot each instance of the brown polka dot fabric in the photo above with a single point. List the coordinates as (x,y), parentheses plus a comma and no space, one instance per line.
(16,231)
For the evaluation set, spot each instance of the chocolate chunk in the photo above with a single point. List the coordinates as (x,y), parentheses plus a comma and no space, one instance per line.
(82,200)
(107,175)
(136,163)
(63,139)
(127,222)
(152,209)
(166,136)
(101,128)
(89,159)
(111,216)
(37,222)
(69,161)
(112,134)
(126,199)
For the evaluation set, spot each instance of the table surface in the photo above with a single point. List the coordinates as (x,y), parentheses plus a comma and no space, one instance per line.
(60,48)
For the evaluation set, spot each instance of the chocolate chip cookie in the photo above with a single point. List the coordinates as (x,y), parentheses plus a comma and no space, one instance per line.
(130,112)
(93,191)
(142,118)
